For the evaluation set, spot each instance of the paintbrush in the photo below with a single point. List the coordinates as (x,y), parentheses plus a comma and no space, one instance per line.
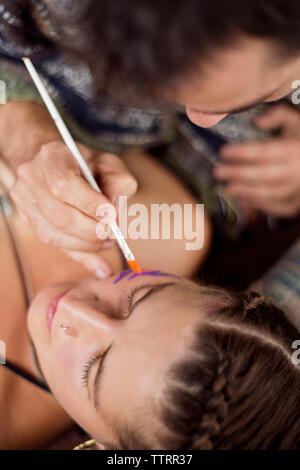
(70,143)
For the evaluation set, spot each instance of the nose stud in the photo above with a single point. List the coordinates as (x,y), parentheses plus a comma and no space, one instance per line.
(64,328)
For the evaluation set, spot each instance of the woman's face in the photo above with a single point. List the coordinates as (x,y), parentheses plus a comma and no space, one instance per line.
(120,336)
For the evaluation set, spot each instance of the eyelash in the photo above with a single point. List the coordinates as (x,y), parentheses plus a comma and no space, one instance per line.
(86,369)
(92,359)
(132,294)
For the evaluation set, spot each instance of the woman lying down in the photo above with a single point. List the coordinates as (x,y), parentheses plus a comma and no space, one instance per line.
(148,361)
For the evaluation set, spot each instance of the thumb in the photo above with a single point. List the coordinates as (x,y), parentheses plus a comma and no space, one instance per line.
(115,179)
(93,262)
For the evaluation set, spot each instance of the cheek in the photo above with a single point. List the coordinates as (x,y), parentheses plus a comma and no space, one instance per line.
(65,380)
(63,373)
(36,320)
(129,382)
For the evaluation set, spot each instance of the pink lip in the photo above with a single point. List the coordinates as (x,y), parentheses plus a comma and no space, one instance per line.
(53,307)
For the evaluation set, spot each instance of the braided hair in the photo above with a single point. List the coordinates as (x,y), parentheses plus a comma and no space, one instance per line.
(238,388)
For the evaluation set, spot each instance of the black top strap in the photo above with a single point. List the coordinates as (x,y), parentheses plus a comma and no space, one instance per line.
(25,375)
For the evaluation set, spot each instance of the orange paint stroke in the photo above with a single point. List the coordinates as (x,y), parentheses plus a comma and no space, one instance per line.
(134,266)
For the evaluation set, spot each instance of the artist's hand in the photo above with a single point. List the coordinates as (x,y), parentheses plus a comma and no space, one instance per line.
(53,197)
(266,175)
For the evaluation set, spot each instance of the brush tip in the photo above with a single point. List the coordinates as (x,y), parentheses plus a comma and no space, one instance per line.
(135,266)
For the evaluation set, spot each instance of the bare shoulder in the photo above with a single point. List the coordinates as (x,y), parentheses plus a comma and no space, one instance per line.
(158,186)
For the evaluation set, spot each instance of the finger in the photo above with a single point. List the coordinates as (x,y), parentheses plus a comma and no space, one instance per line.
(63,217)
(249,192)
(68,220)
(279,203)
(75,191)
(254,175)
(259,153)
(22,196)
(92,262)
(23,217)
(282,115)
(115,178)
(258,199)
(65,183)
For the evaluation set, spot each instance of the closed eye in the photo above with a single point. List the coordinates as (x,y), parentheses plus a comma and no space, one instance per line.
(132,294)
(93,359)
(154,289)
(87,368)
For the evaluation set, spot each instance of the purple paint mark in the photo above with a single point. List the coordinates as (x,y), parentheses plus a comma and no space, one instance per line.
(152,273)
(122,275)
(144,273)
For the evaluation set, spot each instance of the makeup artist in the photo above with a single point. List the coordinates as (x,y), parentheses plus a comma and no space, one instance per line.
(82,49)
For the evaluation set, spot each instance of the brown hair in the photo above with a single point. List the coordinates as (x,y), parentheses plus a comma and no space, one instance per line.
(237,388)
(138,48)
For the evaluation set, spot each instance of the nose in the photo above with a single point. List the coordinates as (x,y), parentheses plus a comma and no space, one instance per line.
(81,318)
(202,119)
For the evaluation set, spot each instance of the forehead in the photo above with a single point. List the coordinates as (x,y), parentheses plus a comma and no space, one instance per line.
(157,334)
(168,314)
(229,78)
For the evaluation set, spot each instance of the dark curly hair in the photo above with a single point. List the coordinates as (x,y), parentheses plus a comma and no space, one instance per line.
(237,388)
(137,48)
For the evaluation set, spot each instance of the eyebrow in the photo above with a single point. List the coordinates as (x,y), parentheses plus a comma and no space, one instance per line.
(97,382)
(239,109)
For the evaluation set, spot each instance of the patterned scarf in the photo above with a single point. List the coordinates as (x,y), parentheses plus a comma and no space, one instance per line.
(18,25)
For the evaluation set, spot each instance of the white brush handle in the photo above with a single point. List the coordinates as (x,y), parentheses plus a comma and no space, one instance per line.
(70,143)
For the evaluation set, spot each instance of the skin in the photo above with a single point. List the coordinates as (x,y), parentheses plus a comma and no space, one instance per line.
(259,175)
(97,314)
(43,418)
(265,175)
(49,192)
(206,104)
(238,77)
(63,207)
(48,181)
(33,425)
